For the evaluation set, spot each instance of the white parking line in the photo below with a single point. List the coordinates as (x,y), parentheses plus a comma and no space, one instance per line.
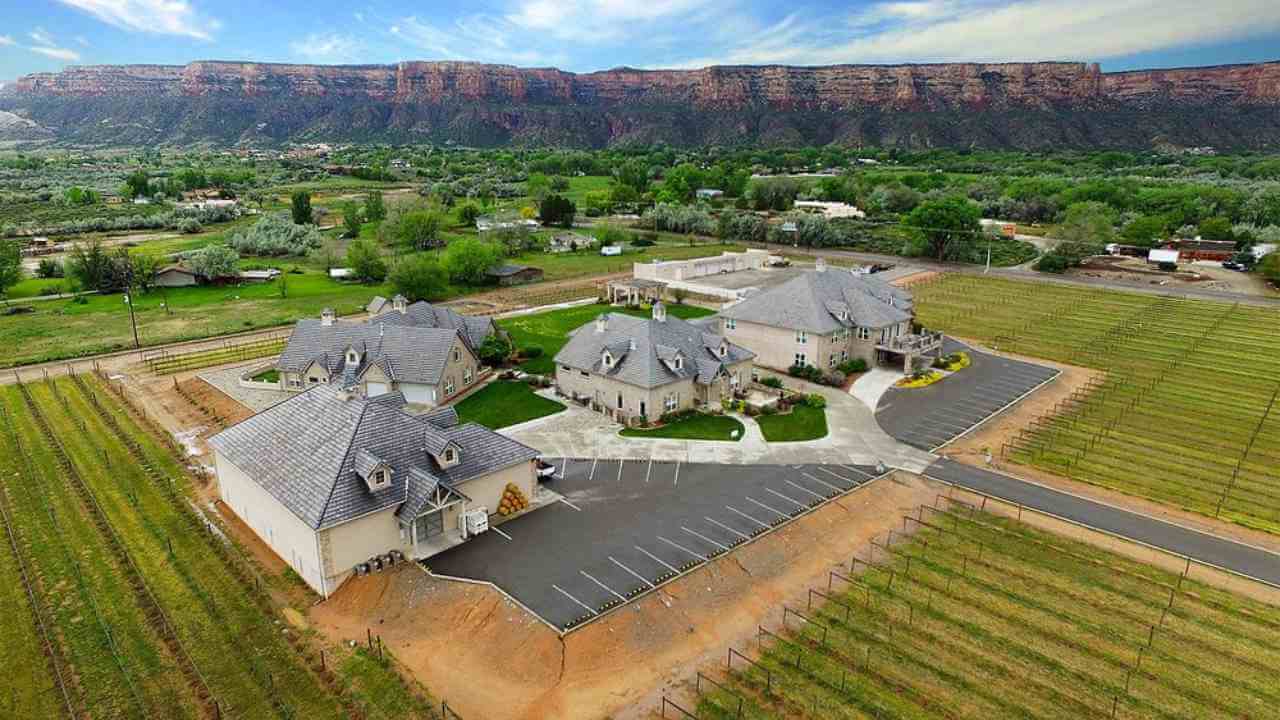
(606,587)
(722,526)
(857,470)
(657,559)
(766,507)
(704,538)
(736,510)
(804,489)
(566,502)
(825,483)
(784,497)
(594,461)
(681,547)
(620,464)
(585,606)
(633,573)
(508,537)
(648,470)
(838,475)
(677,477)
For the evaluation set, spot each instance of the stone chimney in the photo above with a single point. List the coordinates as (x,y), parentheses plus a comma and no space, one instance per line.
(400,304)
(327,316)
(821,265)
(602,323)
(659,311)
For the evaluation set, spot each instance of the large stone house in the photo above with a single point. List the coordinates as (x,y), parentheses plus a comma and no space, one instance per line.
(330,478)
(826,317)
(636,369)
(426,353)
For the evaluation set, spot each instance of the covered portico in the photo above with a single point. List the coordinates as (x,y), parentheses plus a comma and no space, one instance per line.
(429,518)
(636,291)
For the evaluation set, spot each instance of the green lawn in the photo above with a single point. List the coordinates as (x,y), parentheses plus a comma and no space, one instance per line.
(695,426)
(502,403)
(550,330)
(802,423)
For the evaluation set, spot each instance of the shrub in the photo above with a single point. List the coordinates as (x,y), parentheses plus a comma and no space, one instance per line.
(419,277)
(805,372)
(680,219)
(814,400)
(49,268)
(834,378)
(494,350)
(773,382)
(1052,263)
(531,351)
(276,235)
(190,226)
(769,410)
(856,365)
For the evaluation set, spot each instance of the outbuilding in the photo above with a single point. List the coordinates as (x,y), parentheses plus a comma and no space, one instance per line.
(175,276)
(514,274)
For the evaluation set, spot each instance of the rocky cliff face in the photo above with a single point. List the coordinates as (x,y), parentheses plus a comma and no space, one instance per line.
(1001,105)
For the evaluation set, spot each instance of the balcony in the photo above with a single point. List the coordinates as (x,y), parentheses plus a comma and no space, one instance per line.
(914,344)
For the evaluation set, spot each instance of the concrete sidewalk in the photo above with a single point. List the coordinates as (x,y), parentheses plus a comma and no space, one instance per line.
(853,436)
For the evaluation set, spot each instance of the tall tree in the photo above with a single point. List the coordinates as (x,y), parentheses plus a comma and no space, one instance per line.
(10,265)
(947,225)
(419,277)
(351,219)
(300,205)
(374,208)
(365,261)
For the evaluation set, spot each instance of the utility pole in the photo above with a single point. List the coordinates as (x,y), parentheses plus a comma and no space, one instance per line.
(133,320)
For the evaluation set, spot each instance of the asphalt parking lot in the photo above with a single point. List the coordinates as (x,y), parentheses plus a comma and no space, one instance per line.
(932,416)
(625,527)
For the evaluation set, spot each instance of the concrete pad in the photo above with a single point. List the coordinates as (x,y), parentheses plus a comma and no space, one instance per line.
(873,384)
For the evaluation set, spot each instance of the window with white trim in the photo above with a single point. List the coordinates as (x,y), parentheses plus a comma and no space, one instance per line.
(864,333)
(449,455)
(671,402)
(800,360)
(448,387)
(606,359)
(457,355)
(724,349)
(801,337)
(679,362)
(831,361)
(730,324)
(467,375)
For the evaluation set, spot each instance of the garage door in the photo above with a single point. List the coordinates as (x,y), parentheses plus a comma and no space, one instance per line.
(375,389)
(421,394)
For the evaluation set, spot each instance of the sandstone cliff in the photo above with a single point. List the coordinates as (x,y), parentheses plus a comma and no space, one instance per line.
(1000,105)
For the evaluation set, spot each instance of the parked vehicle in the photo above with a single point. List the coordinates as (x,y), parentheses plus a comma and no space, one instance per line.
(546,471)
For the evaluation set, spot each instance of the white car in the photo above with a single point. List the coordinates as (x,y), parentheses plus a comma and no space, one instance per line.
(546,471)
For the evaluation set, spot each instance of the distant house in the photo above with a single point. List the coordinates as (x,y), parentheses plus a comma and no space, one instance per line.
(1200,249)
(332,479)
(258,275)
(568,241)
(831,209)
(1157,256)
(175,276)
(708,193)
(514,274)
(341,273)
(489,223)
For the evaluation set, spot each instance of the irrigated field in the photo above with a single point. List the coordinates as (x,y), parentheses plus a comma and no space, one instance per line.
(141,608)
(978,616)
(1187,414)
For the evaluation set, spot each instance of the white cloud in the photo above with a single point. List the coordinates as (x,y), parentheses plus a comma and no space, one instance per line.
(6,40)
(326,47)
(473,37)
(1007,30)
(56,53)
(163,17)
(41,37)
(82,40)
(596,21)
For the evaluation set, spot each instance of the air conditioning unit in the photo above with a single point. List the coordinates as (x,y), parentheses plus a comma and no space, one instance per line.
(473,522)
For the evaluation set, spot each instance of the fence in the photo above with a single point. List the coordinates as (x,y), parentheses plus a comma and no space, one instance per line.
(165,362)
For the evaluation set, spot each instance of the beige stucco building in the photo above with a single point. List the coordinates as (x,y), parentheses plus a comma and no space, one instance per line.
(330,479)
(827,317)
(638,369)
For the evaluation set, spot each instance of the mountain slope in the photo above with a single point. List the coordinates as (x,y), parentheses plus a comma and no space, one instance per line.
(1013,105)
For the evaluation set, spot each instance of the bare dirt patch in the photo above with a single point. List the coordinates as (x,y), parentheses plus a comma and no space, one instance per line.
(916,278)
(490,659)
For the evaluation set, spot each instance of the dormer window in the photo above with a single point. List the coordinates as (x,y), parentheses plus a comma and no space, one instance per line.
(606,359)
(724,349)
(381,478)
(450,455)
(679,363)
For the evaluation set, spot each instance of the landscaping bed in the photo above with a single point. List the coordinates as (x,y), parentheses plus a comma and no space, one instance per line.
(693,426)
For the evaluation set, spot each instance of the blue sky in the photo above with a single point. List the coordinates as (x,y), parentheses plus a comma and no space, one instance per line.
(584,35)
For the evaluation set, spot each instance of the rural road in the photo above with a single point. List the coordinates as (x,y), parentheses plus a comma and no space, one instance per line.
(1236,557)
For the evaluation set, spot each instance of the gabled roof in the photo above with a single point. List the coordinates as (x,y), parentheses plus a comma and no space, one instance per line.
(813,302)
(404,353)
(474,330)
(308,453)
(644,350)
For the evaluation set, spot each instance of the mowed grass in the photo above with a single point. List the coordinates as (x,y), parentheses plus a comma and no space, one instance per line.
(502,403)
(694,426)
(230,630)
(981,617)
(802,423)
(1187,414)
(550,330)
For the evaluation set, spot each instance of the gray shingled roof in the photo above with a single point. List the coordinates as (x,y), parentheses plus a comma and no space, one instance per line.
(813,302)
(306,451)
(651,363)
(405,353)
(474,330)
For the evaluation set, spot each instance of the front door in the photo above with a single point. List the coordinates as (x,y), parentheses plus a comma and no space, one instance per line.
(428,526)
(643,414)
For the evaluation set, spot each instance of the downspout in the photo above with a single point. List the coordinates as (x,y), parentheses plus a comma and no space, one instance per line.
(324,590)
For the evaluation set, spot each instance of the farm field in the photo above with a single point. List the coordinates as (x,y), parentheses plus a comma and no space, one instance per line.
(979,616)
(1187,414)
(149,612)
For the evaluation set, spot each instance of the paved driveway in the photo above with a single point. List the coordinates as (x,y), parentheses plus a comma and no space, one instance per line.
(625,527)
(932,416)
